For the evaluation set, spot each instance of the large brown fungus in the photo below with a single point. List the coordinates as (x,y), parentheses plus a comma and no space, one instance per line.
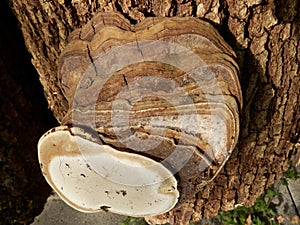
(154,109)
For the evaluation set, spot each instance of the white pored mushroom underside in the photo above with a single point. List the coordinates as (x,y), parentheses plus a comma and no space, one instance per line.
(92,177)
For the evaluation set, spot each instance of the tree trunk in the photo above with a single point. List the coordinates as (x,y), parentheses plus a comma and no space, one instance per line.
(265,36)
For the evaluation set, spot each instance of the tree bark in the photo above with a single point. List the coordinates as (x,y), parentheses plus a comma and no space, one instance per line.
(265,36)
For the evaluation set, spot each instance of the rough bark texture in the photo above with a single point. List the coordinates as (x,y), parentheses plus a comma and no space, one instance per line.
(265,35)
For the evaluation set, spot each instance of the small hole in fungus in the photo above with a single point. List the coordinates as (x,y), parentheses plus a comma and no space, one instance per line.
(105,208)
(88,166)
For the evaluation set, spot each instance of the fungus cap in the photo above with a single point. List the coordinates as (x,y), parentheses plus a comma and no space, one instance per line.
(92,177)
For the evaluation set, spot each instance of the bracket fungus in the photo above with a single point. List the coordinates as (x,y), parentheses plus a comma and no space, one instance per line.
(92,177)
(154,113)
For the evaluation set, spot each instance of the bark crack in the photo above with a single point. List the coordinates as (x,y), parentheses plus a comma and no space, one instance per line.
(92,60)
(293,201)
(173,8)
(125,80)
(194,8)
(139,49)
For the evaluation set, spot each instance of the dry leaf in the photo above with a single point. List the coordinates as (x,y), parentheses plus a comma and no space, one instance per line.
(249,220)
(280,219)
(295,220)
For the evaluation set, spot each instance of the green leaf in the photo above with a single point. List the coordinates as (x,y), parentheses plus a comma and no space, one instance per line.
(271,212)
(256,221)
(132,220)
(284,182)
(260,205)
(242,218)
(271,193)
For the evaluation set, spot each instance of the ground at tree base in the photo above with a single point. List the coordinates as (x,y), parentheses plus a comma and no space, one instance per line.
(56,212)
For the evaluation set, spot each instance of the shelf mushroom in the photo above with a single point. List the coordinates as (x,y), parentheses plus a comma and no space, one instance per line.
(162,99)
(92,177)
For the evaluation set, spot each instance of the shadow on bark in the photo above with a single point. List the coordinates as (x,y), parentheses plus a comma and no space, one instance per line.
(24,118)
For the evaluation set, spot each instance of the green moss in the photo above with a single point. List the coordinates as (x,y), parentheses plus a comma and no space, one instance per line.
(134,221)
